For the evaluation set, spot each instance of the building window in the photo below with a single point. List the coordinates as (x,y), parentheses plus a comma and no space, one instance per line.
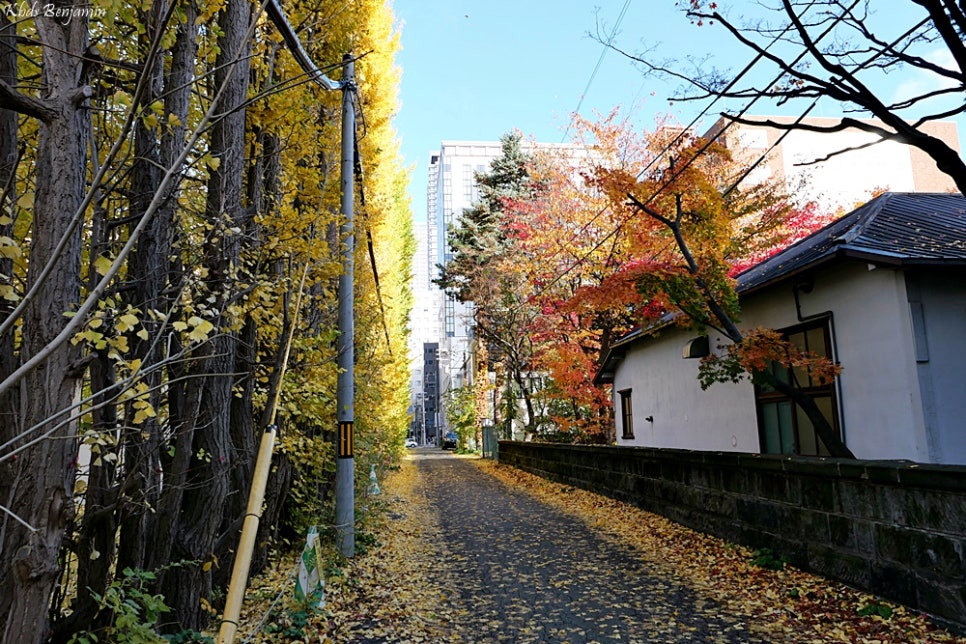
(449,317)
(627,414)
(783,427)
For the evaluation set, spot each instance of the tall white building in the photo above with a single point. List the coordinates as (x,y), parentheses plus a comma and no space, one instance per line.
(423,319)
(451,190)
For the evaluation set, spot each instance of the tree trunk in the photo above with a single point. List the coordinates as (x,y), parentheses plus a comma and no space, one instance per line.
(209,482)
(163,523)
(43,483)
(243,453)
(147,278)
(9,420)
(527,398)
(96,541)
(833,443)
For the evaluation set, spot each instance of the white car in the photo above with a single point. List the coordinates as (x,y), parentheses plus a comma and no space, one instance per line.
(411,442)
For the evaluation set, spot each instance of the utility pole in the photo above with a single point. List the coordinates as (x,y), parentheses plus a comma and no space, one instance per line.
(345,385)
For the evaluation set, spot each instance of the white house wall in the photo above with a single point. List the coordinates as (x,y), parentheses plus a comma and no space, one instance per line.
(878,391)
(665,386)
(879,399)
(941,354)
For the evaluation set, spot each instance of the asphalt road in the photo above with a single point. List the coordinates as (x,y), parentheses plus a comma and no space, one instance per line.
(522,571)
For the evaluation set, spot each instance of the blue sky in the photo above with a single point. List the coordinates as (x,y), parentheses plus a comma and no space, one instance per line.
(476,69)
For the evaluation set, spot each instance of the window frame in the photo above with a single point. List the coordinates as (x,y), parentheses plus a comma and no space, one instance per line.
(829,391)
(627,413)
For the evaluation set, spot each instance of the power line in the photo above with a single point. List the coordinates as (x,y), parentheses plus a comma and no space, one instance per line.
(680,135)
(369,242)
(298,51)
(579,261)
(593,74)
(667,148)
(315,74)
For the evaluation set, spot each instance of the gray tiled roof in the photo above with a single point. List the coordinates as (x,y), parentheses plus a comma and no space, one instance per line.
(894,228)
(900,228)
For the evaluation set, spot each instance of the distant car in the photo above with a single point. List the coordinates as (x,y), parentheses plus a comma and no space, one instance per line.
(449,441)
(411,442)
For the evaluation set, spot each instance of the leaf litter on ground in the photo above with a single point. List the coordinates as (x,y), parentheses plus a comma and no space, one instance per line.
(785,605)
(384,595)
(398,590)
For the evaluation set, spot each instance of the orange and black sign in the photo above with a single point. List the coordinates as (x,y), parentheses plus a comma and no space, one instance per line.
(345,439)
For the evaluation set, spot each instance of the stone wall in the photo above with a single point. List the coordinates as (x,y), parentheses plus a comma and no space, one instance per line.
(894,528)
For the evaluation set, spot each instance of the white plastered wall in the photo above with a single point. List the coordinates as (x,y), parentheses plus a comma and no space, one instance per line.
(879,401)
(664,386)
(879,394)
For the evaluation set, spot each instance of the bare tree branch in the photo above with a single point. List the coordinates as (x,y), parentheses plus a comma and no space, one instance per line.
(11,99)
(841,69)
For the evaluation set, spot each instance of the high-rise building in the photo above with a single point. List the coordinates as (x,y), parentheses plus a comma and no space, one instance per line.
(452,189)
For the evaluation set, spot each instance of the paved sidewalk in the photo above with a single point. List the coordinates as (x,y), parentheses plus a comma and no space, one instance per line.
(522,571)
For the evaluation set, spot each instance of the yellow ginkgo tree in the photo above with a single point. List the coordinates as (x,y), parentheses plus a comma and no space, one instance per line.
(168,196)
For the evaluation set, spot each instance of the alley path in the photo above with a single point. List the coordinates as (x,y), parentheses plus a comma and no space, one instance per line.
(465,551)
(521,571)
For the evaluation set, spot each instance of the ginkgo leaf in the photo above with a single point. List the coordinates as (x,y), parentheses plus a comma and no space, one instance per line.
(103,264)
(126,322)
(9,248)
(201,330)
(143,414)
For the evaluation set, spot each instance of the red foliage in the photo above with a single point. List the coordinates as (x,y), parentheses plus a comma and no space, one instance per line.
(796,225)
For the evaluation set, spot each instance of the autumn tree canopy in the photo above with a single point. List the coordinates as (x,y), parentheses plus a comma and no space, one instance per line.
(687,217)
(617,231)
(169,185)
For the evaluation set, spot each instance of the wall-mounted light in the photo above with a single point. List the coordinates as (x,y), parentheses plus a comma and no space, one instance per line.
(698,347)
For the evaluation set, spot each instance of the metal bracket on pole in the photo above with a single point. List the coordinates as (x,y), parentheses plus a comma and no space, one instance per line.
(277,16)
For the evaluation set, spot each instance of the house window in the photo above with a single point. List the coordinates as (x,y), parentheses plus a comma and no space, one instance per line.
(783,427)
(627,414)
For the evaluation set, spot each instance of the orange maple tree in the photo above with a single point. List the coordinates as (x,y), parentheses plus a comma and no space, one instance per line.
(688,219)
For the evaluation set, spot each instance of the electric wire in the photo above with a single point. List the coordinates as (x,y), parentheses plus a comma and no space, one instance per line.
(357,166)
(593,74)
(100,288)
(309,67)
(294,45)
(667,148)
(580,260)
